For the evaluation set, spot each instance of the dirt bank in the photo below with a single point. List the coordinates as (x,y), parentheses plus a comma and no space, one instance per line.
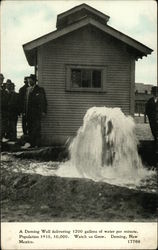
(33,197)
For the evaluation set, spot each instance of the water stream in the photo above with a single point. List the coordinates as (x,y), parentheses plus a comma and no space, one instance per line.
(105,149)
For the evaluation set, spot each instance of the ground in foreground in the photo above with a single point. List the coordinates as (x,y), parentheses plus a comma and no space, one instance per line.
(33,197)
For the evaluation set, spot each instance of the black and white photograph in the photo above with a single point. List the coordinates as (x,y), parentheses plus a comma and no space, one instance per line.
(79,124)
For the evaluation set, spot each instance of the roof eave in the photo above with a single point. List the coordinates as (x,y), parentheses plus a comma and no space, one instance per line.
(141,48)
(31,56)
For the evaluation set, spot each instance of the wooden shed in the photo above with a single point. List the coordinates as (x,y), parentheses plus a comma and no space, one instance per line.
(83,63)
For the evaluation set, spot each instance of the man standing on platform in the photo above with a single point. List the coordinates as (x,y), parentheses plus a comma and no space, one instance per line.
(35,108)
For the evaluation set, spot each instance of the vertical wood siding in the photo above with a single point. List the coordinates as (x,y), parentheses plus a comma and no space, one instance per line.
(90,47)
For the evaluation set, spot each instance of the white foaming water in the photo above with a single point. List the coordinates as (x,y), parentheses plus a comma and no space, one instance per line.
(105,149)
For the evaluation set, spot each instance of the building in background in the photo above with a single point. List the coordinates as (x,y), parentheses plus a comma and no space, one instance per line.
(143,88)
(142,95)
(84,63)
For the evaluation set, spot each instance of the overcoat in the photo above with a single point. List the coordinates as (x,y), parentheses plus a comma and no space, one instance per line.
(36,103)
(151,114)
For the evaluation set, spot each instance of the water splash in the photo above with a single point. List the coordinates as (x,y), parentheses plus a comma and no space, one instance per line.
(105,149)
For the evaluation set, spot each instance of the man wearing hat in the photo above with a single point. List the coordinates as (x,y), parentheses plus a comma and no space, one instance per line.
(151,107)
(35,108)
(4,109)
(22,96)
(13,111)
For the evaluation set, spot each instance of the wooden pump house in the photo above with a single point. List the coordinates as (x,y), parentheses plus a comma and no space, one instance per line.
(84,63)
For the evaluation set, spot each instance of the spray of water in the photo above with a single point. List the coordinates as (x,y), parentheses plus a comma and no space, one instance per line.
(105,149)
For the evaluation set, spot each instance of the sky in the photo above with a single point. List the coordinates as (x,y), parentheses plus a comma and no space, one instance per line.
(24,21)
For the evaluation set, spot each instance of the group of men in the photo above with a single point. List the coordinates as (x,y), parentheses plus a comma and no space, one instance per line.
(30,103)
(9,109)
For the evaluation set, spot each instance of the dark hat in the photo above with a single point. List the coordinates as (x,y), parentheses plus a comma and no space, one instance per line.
(154,89)
(8,81)
(1,75)
(33,77)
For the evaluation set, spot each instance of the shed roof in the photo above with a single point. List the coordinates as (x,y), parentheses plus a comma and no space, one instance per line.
(31,47)
(79,12)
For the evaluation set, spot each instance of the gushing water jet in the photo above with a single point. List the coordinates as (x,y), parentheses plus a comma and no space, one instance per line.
(105,149)
(106,140)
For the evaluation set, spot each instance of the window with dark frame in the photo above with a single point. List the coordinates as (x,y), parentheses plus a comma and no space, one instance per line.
(86,78)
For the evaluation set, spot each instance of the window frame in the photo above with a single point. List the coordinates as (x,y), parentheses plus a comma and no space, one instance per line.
(102,68)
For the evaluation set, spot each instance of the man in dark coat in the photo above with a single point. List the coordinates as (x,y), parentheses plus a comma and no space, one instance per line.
(157,130)
(35,108)
(13,111)
(151,107)
(22,96)
(4,108)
